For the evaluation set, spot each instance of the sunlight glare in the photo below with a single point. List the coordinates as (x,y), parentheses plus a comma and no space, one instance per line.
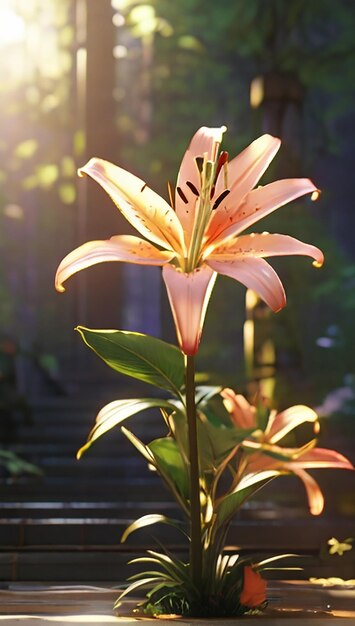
(12,27)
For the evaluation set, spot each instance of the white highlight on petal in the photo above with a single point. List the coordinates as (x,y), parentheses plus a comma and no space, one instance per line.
(148,212)
(119,248)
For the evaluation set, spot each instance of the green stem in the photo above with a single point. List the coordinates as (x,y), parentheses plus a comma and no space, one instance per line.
(195,507)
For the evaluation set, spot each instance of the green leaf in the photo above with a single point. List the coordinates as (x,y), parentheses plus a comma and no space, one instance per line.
(116,412)
(164,456)
(147,520)
(170,464)
(214,443)
(272,559)
(216,412)
(139,583)
(140,356)
(143,449)
(17,466)
(230,503)
(206,392)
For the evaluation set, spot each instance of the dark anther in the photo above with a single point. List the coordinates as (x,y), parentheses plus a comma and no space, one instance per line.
(199,163)
(223,159)
(220,198)
(192,187)
(182,195)
(144,186)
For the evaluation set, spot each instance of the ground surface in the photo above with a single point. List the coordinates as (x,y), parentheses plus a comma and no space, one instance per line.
(311,605)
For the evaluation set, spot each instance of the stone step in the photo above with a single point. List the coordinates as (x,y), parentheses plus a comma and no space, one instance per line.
(99,466)
(251,533)
(66,566)
(111,563)
(84,488)
(79,532)
(99,509)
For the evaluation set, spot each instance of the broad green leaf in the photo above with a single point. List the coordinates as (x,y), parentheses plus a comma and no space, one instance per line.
(230,503)
(149,359)
(116,412)
(171,468)
(178,426)
(214,443)
(147,520)
(170,464)
(225,439)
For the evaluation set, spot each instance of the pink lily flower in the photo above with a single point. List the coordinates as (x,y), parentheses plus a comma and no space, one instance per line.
(262,466)
(198,234)
(264,459)
(244,415)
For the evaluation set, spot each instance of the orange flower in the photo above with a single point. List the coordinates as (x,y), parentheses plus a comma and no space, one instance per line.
(266,459)
(199,234)
(254,589)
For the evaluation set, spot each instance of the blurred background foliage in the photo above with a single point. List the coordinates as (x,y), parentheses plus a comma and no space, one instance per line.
(256,66)
(205,63)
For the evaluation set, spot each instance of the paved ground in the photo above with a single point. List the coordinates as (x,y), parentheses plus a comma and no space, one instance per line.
(93,605)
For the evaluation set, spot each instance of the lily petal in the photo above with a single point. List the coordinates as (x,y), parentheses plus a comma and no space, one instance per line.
(205,140)
(266,245)
(242,413)
(257,204)
(119,248)
(314,494)
(311,459)
(255,274)
(322,457)
(282,423)
(148,212)
(244,171)
(189,295)
(263,466)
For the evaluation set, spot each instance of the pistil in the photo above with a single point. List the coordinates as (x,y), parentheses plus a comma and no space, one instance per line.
(203,213)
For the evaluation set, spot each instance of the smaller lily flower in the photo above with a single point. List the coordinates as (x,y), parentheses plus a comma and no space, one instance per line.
(199,234)
(265,459)
(244,415)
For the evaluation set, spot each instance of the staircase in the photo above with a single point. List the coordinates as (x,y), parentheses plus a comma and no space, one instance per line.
(65,526)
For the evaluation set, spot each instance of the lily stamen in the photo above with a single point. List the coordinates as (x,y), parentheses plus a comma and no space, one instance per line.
(220,198)
(193,188)
(182,195)
(223,159)
(171,194)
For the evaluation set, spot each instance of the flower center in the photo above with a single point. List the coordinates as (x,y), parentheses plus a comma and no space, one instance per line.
(203,212)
